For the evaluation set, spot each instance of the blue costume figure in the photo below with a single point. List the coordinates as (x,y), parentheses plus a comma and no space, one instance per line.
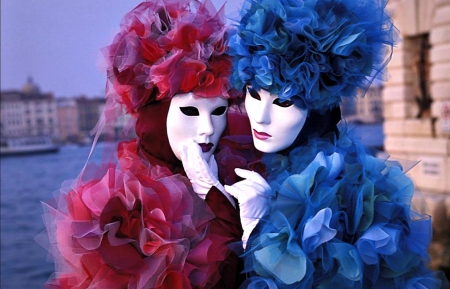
(336,216)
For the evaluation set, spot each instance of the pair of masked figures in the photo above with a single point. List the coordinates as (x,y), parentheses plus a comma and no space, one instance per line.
(240,176)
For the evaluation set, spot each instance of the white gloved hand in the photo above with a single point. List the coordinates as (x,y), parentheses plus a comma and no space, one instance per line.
(203,175)
(253,195)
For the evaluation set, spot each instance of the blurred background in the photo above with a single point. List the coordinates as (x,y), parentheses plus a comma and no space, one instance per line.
(52,93)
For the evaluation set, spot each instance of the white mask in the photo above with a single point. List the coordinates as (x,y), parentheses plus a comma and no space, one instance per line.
(275,124)
(200,119)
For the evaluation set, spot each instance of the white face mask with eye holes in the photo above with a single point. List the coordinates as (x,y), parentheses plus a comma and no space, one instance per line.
(275,123)
(196,118)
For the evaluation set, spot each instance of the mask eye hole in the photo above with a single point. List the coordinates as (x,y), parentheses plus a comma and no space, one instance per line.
(284,103)
(220,110)
(253,93)
(190,111)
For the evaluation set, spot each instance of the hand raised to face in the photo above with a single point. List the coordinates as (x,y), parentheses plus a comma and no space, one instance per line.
(275,123)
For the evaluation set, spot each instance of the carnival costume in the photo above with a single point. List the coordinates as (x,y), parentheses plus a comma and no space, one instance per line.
(137,222)
(339,217)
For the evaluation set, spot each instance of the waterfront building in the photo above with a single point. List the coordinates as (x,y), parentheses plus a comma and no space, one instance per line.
(416,103)
(89,112)
(68,120)
(28,113)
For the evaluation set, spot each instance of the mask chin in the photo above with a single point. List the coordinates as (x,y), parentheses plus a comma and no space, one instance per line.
(317,125)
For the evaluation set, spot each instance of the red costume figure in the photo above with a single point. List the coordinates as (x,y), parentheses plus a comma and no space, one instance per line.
(141,223)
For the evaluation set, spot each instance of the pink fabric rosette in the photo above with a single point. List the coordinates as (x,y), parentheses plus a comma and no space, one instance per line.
(135,227)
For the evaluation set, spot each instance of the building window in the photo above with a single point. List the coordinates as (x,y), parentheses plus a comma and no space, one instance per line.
(421,70)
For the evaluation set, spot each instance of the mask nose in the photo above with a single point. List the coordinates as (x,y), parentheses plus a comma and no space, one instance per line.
(205,126)
(262,113)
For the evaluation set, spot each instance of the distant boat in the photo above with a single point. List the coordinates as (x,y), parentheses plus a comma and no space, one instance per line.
(27,145)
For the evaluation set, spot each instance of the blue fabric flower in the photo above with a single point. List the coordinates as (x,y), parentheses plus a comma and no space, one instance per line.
(279,254)
(257,282)
(349,270)
(263,67)
(377,240)
(424,282)
(317,230)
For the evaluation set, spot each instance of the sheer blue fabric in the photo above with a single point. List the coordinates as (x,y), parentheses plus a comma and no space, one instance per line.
(341,217)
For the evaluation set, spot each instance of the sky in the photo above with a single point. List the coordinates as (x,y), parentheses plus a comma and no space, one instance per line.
(58,42)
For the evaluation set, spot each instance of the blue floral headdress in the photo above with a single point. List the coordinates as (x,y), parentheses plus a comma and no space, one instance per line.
(316,50)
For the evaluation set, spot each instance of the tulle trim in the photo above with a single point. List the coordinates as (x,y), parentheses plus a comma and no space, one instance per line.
(317,51)
(342,218)
(134,227)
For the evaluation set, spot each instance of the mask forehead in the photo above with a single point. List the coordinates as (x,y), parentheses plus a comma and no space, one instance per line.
(274,126)
(190,99)
(196,118)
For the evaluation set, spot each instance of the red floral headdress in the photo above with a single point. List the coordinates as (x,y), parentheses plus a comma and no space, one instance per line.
(166,48)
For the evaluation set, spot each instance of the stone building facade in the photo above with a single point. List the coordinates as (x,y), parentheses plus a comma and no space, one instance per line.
(28,113)
(68,120)
(416,102)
